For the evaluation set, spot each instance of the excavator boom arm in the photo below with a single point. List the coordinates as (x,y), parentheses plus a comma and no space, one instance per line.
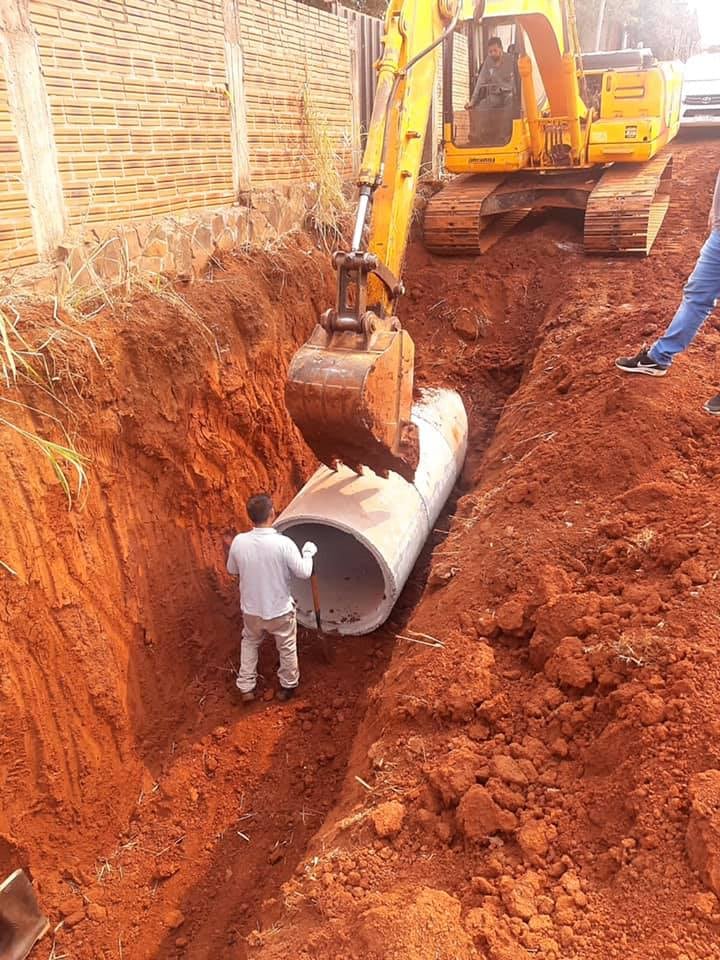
(350,386)
(396,136)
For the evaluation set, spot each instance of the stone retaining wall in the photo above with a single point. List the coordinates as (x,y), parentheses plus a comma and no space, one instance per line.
(181,247)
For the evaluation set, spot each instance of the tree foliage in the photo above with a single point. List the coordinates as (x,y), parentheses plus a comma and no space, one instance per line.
(668,27)
(375,8)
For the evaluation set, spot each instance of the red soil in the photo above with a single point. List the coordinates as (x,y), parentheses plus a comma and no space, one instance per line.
(544,784)
(127,769)
(556,761)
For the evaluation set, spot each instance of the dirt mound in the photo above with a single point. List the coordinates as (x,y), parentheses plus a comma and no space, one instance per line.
(554,755)
(535,773)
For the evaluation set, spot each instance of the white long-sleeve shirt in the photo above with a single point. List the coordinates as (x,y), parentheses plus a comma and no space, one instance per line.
(265,561)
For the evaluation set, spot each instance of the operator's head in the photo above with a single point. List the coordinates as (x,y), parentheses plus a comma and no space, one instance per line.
(495,48)
(260,510)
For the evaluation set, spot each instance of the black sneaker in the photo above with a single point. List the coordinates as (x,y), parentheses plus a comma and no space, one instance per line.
(641,363)
(286,693)
(713,406)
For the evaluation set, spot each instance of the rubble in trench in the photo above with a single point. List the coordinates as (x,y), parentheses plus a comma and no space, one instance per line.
(544,783)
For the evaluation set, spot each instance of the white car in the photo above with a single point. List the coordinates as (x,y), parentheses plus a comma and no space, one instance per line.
(701,91)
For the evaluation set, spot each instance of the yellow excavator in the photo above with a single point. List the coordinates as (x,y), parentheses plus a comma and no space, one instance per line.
(559,130)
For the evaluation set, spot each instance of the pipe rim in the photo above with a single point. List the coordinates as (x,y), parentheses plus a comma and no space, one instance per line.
(390,595)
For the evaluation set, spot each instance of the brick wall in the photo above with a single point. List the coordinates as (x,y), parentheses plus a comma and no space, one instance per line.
(141,114)
(461,72)
(460,91)
(137,93)
(16,241)
(287,45)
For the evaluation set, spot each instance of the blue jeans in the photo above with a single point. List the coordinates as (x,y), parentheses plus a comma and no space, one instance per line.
(699,297)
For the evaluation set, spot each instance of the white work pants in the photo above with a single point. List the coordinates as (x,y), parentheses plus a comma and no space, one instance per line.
(284,632)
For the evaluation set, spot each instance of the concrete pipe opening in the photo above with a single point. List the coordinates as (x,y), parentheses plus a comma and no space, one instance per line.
(350,577)
(369,531)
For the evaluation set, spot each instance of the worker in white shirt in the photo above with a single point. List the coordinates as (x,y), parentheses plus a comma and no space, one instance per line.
(265,560)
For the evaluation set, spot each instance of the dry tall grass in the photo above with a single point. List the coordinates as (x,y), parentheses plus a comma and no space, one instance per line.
(331,211)
(19,361)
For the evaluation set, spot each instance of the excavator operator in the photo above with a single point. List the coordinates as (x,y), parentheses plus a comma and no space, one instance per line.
(495,82)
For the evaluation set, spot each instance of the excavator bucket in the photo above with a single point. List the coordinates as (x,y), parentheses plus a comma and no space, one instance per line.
(22,923)
(351,394)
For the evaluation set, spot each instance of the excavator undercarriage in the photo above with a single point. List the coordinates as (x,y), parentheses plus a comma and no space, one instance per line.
(624,206)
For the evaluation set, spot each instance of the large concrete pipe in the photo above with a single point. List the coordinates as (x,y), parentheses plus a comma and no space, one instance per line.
(369,531)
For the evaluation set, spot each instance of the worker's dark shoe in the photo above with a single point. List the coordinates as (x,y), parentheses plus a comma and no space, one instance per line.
(249,695)
(641,363)
(713,406)
(286,693)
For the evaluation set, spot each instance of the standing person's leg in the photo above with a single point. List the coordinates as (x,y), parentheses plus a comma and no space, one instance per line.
(284,630)
(700,294)
(699,297)
(252,637)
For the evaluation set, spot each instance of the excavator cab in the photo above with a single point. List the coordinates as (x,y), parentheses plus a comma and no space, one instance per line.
(487,119)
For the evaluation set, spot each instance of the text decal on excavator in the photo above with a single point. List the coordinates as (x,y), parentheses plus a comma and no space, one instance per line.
(631,133)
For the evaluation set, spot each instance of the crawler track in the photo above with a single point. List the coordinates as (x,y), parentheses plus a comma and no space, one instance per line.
(453,222)
(624,210)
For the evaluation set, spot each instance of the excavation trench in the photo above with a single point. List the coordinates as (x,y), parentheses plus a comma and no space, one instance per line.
(538,783)
(159,820)
(134,782)
(318,740)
